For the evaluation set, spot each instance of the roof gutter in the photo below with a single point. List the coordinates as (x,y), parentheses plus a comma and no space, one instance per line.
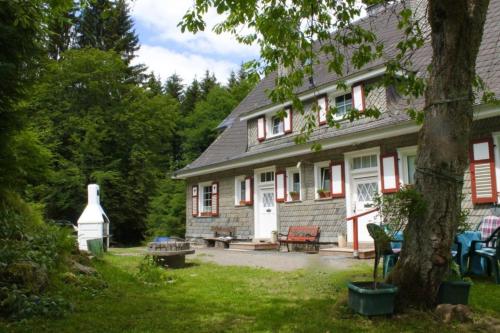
(296,150)
(330,88)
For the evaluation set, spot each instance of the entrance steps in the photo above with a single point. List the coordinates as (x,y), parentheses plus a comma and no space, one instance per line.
(253,246)
(364,253)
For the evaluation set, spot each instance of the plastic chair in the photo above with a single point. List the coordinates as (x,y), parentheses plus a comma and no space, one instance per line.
(490,251)
(390,259)
(463,243)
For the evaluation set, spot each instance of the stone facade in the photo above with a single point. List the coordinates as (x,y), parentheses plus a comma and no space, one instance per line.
(330,214)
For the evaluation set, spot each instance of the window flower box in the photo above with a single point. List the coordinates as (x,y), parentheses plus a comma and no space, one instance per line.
(324,194)
(295,196)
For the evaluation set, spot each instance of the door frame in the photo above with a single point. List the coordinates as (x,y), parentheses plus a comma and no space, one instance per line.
(349,174)
(257,195)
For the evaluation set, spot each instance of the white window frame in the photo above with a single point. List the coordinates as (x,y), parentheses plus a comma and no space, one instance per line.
(333,101)
(237,189)
(201,194)
(269,126)
(496,150)
(403,154)
(289,182)
(317,176)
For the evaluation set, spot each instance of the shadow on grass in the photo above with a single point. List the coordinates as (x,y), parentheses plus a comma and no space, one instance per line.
(210,298)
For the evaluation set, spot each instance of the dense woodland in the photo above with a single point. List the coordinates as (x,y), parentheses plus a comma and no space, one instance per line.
(91,116)
(74,110)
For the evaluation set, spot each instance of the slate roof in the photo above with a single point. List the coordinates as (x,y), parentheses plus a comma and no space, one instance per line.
(231,144)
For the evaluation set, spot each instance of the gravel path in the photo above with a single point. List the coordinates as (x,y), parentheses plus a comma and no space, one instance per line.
(274,260)
(277,261)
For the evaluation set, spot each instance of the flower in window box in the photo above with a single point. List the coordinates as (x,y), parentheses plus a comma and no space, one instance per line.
(324,194)
(294,195)
(243,202)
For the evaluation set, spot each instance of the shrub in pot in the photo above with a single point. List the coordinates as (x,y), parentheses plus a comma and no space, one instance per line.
(372,298)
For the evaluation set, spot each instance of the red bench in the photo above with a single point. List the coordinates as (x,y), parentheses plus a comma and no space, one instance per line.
(308,235)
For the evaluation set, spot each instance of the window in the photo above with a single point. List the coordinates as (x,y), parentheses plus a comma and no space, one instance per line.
(343,104)
(322,179)
(240,190)
(266,177)
(410,165)
(277,124)
(407,159)
(206,199)
(364,162)
(293,184)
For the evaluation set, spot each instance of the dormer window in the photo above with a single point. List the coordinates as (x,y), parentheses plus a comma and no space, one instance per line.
(276,126)
(343,104)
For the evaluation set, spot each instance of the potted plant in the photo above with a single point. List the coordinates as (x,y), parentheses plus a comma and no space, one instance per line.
(375,298)
(372,298)
(323,194)
(243,202)
(455,289)
(295,196)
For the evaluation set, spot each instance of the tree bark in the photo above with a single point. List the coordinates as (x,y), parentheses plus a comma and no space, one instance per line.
(443,145)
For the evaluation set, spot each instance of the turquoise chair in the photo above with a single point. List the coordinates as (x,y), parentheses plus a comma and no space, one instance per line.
(489,250)
(390,260)
(463,243)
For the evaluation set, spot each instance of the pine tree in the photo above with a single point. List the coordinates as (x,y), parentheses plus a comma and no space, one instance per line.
(153,84)
(208,83)
(232,81)
(174,87)
(107,25)
(92,24)
(61,32)
(191,96)
(120,35)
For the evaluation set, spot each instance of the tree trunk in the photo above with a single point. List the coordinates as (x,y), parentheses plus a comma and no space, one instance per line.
(443,145)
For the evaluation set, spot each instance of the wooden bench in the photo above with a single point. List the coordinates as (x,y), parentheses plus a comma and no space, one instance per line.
(308,235)
(222,237)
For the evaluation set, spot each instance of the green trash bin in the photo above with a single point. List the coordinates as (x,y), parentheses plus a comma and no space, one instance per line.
(95,246)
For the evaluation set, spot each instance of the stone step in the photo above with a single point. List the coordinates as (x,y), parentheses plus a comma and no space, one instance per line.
(253,246)
(334,251)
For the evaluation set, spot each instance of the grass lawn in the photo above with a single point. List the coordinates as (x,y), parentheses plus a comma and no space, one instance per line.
(211,298)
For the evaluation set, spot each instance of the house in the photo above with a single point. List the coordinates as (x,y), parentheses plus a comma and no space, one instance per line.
(254,177)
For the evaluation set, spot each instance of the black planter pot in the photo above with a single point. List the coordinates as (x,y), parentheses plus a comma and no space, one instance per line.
(454,292)
(366,300)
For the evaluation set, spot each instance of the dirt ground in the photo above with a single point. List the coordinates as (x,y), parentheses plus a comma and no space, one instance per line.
(274,260)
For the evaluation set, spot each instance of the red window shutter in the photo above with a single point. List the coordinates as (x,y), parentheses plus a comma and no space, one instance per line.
(249,190)
(390,173)
(288,121)
(322,109)
(194,197)
(280,186)
(482,171)
(358,97)
(261,128)
(215,199)
(337,181)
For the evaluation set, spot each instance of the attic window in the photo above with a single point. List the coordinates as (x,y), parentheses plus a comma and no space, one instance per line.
(343,104)
(277,126)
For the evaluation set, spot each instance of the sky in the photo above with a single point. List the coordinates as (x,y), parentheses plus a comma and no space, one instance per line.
(166,50)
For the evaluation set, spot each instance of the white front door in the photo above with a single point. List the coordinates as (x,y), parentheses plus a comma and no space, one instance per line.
(266,216)
(364,191)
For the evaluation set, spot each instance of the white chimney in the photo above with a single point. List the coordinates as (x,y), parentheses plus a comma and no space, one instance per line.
(93,223)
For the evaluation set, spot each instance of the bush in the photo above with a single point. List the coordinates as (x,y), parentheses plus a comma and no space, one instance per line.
(30,252)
